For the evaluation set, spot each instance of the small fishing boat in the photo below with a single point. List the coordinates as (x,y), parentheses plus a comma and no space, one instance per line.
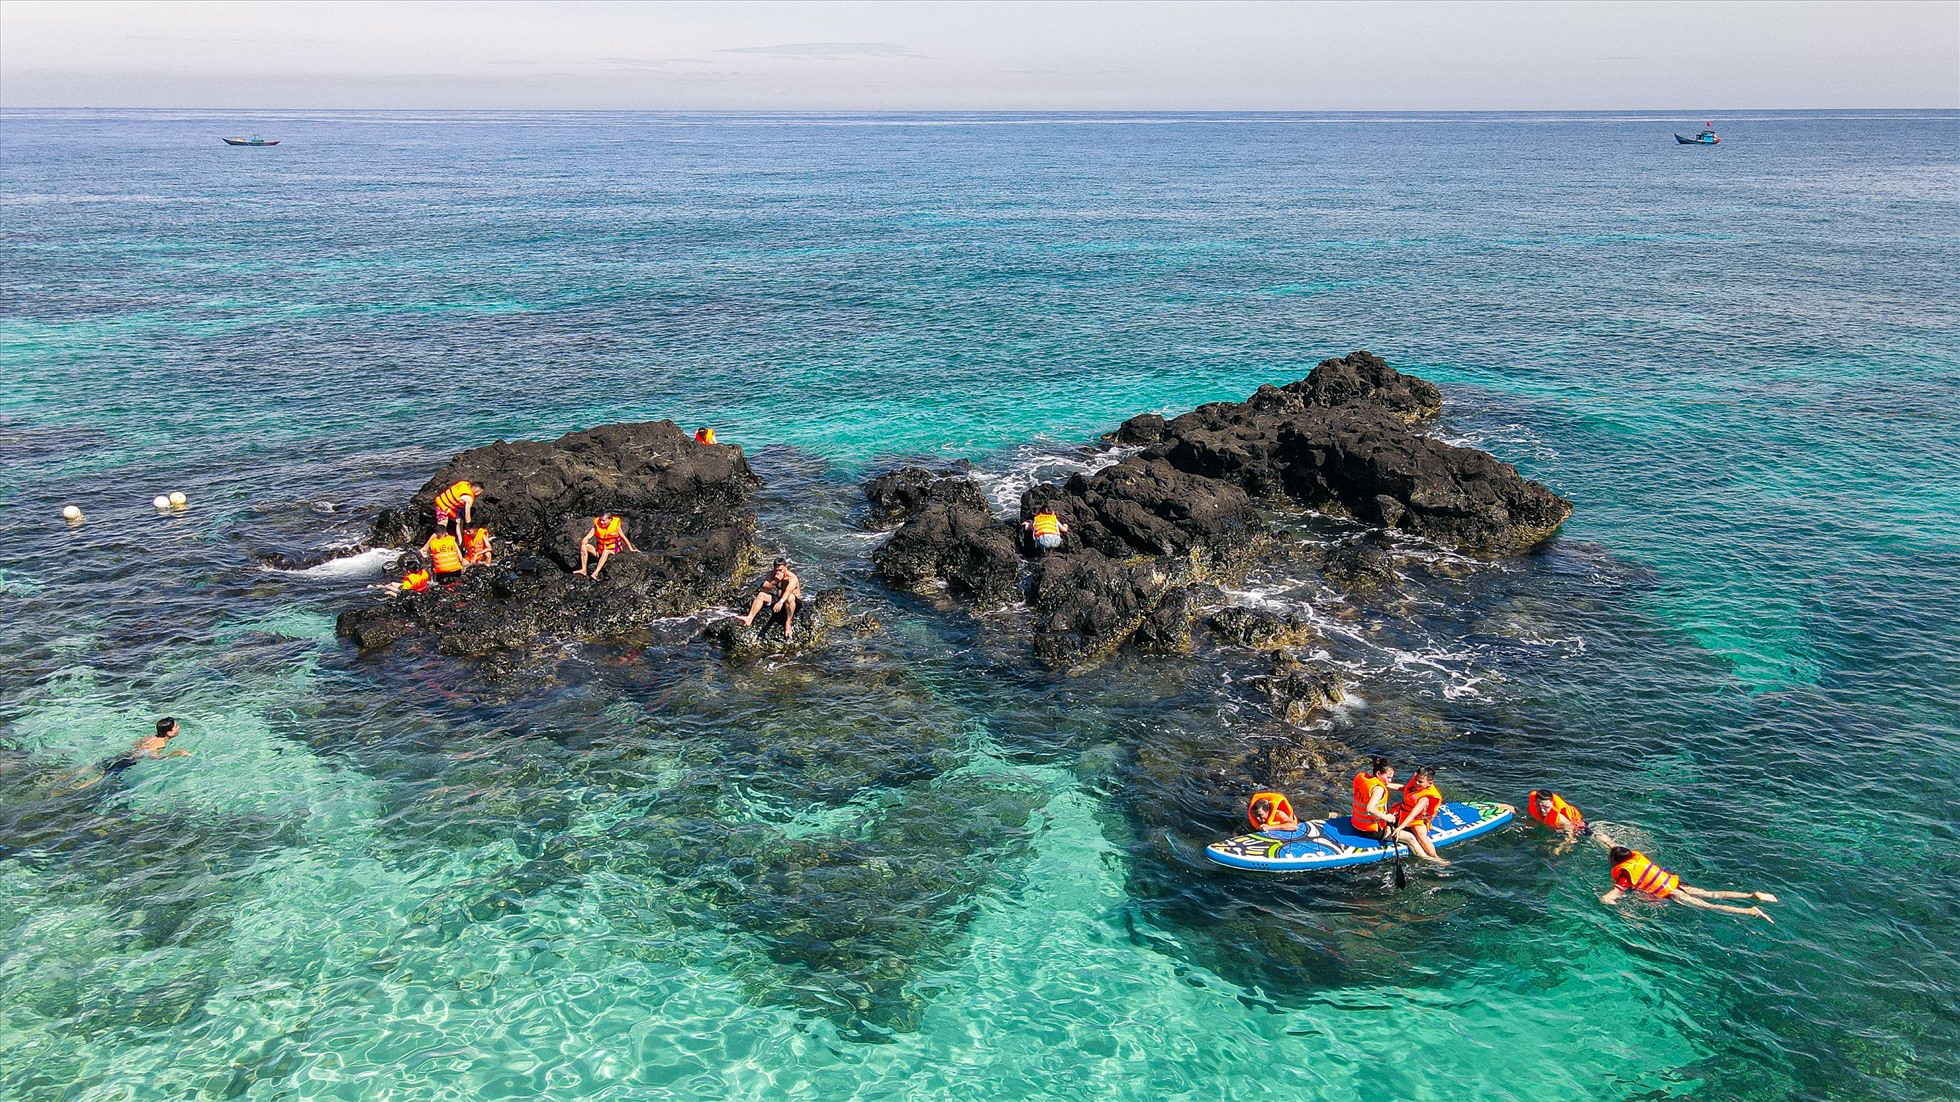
(1706,137)
(251,141)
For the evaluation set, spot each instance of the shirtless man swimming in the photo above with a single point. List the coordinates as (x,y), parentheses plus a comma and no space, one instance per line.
(780,591)
(147,748)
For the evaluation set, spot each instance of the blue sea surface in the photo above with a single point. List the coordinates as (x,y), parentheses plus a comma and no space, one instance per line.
(917,865)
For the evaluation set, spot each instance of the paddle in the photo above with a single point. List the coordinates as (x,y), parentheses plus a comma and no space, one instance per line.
(1401,878)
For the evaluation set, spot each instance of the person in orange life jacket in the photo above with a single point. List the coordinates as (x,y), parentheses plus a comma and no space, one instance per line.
(476,546)
(1271,811)
(415,577)
(1420,802)
(704,436)
(445,556)
(453,506)
(1371,789)
(1551,809)
(607,537)
(780,591)
(1633,871)
(1047,529)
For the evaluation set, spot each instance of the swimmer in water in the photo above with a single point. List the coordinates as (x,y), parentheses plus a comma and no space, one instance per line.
(147,748)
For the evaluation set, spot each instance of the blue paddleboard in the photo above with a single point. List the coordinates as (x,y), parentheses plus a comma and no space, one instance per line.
(1334,843)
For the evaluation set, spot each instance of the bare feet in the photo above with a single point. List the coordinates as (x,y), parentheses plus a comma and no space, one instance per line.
(1762,914)
(1765,897)
(580,572)
(746,621)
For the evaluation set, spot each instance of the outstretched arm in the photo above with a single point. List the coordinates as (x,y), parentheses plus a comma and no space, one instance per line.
(1611,897)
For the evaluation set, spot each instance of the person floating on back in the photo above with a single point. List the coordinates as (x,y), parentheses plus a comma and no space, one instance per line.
(147,748)
(1420,802)
(606,539)
(1633,871)
(704,436)
(454,505)
(1047,530)
(476,547)
(445,556)
(1271,812)
(781,591)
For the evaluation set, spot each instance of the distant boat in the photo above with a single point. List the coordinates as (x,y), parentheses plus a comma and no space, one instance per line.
(1706,137)
(251,141)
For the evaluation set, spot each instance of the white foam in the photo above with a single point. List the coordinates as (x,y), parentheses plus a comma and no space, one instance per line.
(1041,461)
(366,564)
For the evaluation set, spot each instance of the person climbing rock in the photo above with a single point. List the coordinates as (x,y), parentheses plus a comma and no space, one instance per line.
(1047,530)
(454,506)
(781,591)
(1634,871)
(606,539)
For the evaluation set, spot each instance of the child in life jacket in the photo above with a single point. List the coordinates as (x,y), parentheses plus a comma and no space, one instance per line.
(1634,871)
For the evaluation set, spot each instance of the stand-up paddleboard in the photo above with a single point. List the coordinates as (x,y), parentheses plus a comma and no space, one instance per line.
(1334,843)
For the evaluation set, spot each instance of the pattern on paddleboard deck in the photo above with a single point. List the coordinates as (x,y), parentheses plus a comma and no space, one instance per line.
(1334,843)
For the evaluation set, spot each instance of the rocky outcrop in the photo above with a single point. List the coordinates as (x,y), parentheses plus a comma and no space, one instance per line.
(1261,629)
(904,493)
(1362,458)
(953,539)
(685,509)
(1145,506)
(1087,605)
(1298,690)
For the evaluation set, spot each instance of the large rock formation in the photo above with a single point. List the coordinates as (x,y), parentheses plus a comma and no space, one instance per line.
(1146,534)
(685,507)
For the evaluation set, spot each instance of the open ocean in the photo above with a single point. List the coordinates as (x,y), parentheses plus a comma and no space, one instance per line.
(916,866)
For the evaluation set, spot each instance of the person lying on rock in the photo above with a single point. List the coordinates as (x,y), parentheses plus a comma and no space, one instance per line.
(415,578)
(1415,810)
(781,591)
(607,538)
(445,556)
(453,506)
(1047,530)
(1634,872)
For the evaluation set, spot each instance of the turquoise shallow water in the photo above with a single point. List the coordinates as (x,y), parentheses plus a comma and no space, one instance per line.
(916,867)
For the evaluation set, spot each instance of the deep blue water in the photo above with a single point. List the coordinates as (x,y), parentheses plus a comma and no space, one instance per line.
(916,866)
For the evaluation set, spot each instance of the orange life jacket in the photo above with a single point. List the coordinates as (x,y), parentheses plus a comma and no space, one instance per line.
(1047,524)
(1365,786)
(445,555)
(1410,797)
(451,500)
(1281,809)
(415,581)
(476,544)
(1638,874)
(610,535)
(704,436)
(1562,812)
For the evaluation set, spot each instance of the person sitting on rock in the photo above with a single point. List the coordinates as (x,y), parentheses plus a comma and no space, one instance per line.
(476,546)
(1270,812)
(607,538)
(1634,872)
(453,506)
(704,436)
(1415,810)
(445,556)
(780,591)
(1047,529)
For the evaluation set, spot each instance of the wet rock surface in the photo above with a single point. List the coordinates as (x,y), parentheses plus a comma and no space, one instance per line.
(685,510)
(817,616)
(958,543)
(902,494)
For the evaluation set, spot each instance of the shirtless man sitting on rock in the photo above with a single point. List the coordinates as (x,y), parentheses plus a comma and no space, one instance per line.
(780,591)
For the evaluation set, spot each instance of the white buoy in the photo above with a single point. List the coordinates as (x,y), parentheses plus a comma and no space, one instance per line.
(161,502)
(72,514)
(178,500)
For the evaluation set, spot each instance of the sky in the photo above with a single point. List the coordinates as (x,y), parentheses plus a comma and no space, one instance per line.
(1464,56)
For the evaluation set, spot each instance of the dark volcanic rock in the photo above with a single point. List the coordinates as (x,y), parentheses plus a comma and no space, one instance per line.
(1363,460)
(1366,377)
(1298,690)
(1144,428)
(685,506)
(959,543)
(1087,605)
(901,494)
(1261,629)
(1147,506)
(1359,565)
